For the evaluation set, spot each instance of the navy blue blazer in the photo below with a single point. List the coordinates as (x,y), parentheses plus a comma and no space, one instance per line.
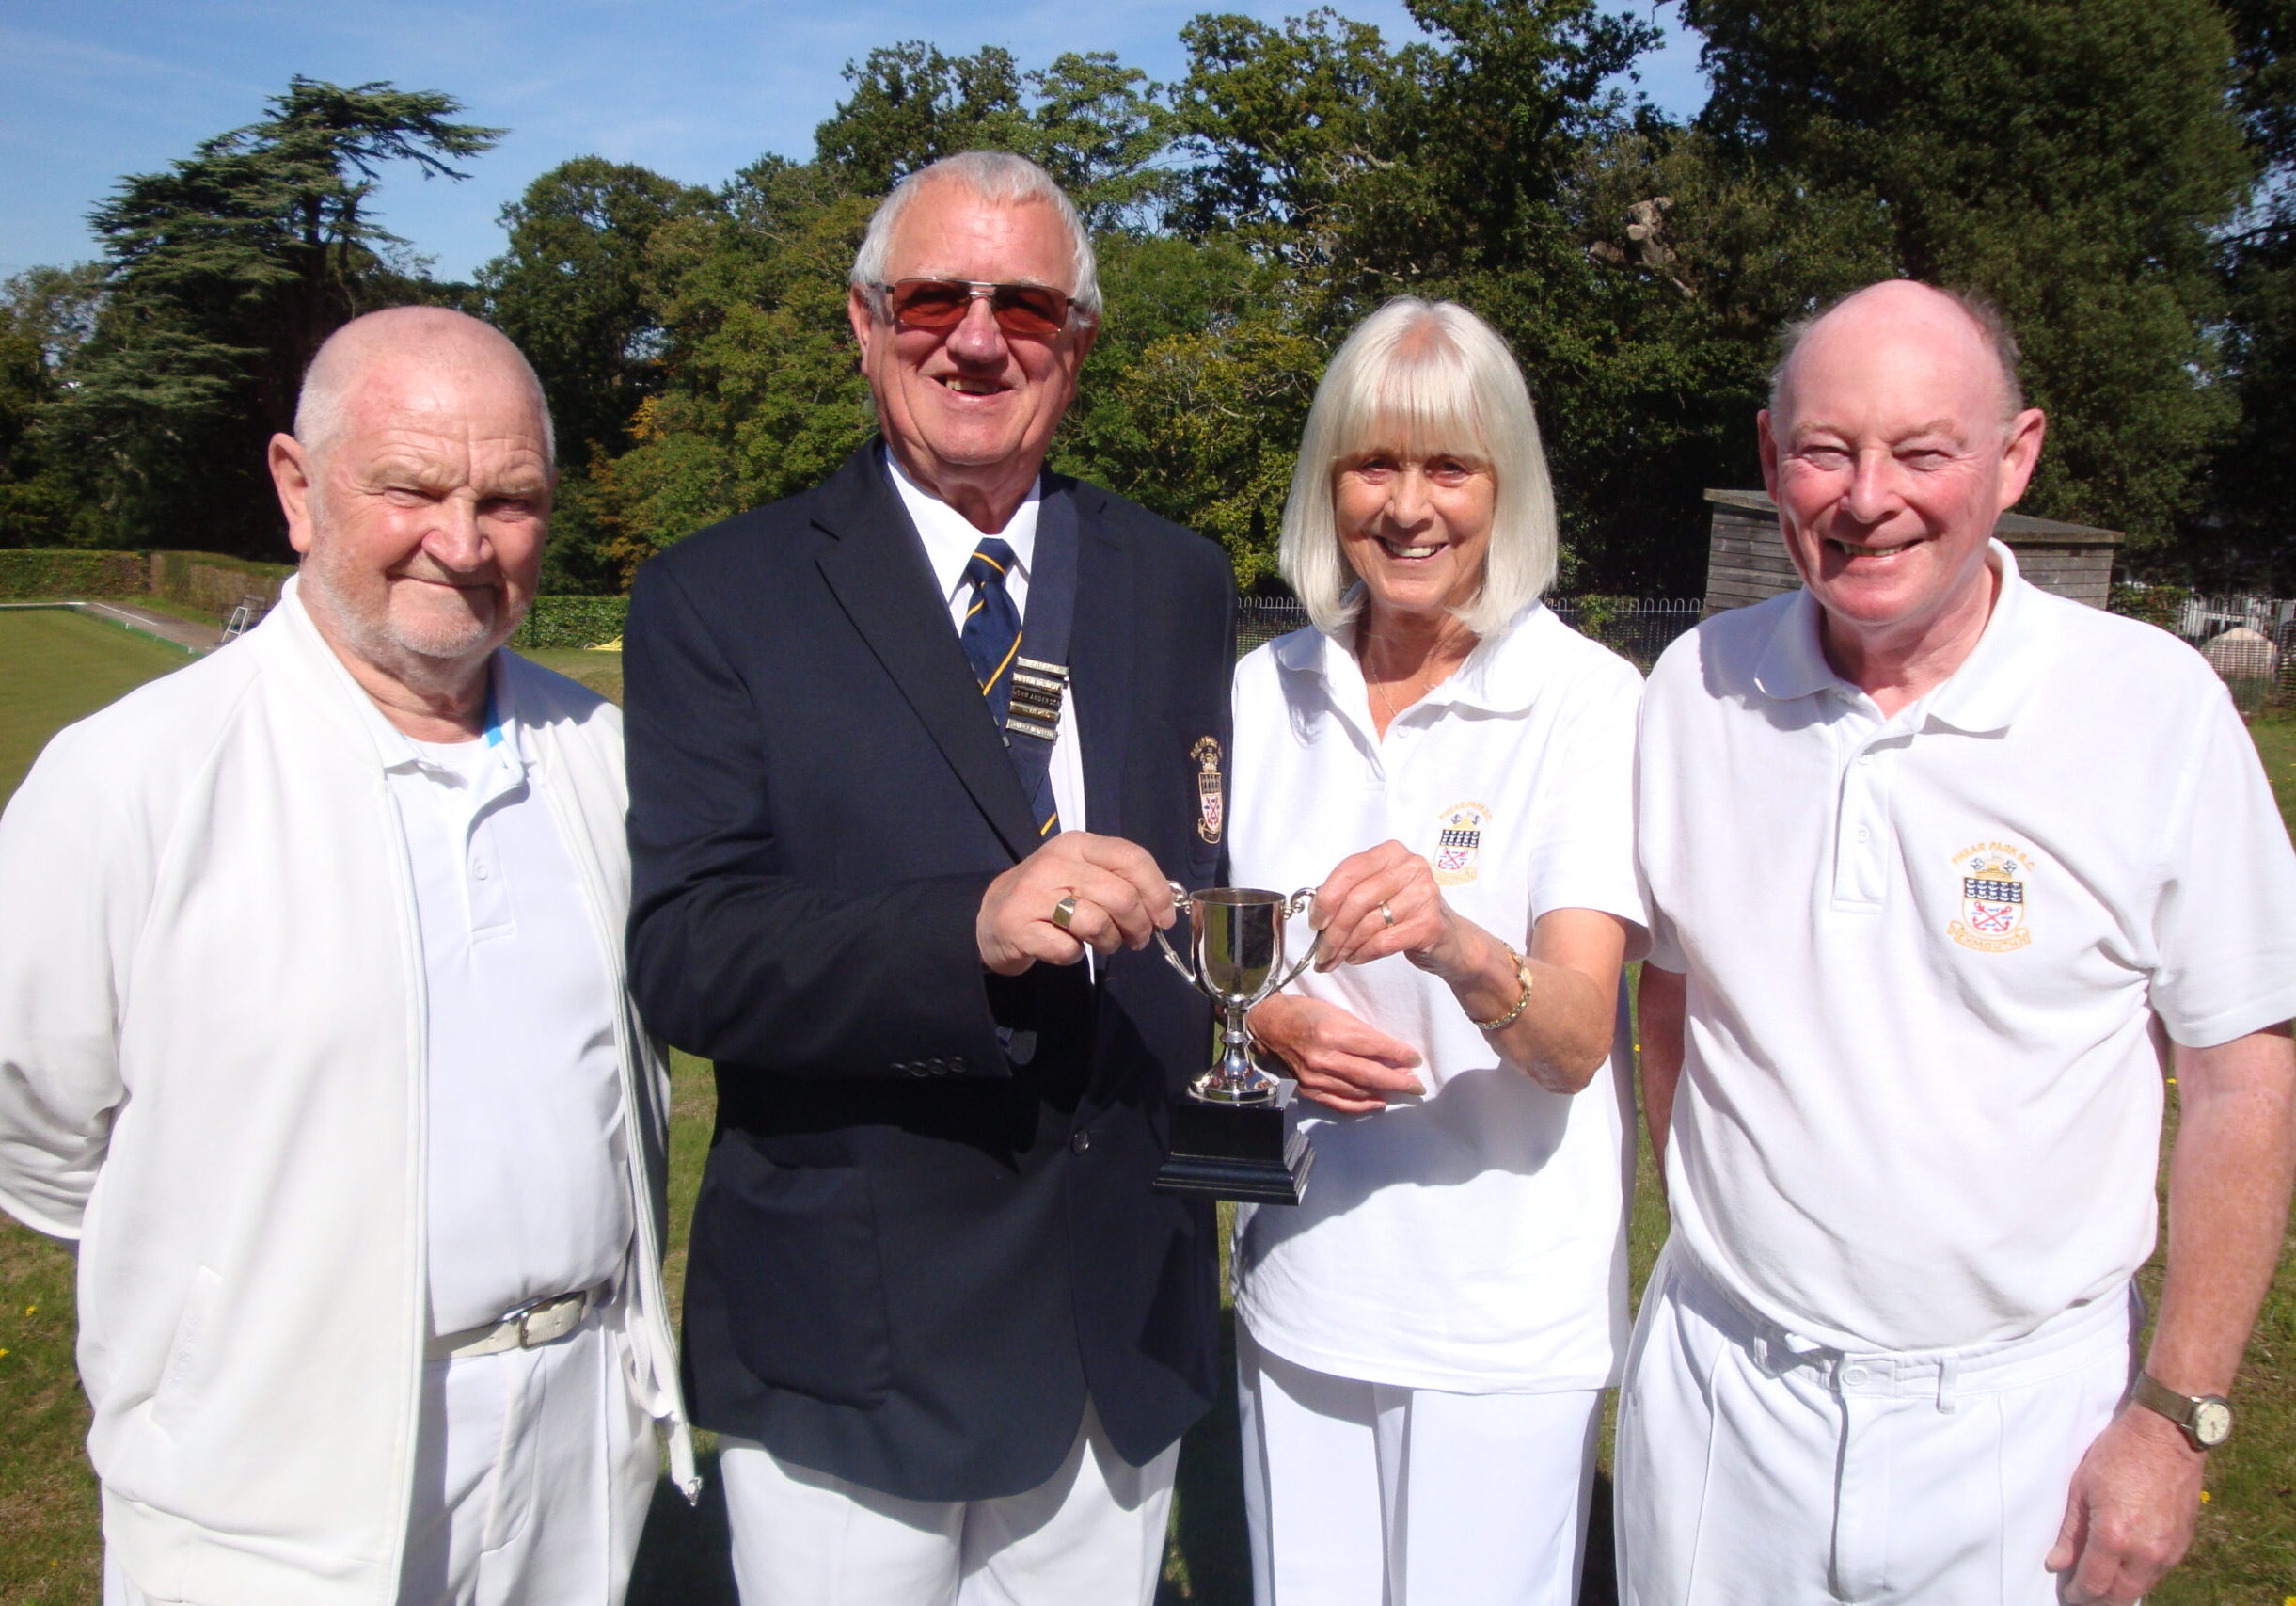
(916,1252)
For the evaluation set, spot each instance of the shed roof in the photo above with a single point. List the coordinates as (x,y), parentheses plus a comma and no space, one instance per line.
(2012,528)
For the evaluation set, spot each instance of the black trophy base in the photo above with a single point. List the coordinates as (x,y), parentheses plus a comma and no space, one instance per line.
(1239,1151)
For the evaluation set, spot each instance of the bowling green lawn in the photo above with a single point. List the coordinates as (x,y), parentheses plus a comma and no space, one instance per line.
(56,667)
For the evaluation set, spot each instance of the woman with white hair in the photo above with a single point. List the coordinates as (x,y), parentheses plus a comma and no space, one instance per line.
(1423,1343)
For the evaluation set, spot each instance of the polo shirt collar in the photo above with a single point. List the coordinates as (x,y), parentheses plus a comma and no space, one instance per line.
(1503,675)
(2002,673)
(1984,694)
(501,732)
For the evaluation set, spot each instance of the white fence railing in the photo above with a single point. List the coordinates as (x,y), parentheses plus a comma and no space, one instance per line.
(1636,627)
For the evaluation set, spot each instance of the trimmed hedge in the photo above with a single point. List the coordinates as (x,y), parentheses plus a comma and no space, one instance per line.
(33,573)
(213,582)
(557,621)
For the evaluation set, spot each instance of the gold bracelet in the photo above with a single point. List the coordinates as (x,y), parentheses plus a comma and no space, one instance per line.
(1522,973)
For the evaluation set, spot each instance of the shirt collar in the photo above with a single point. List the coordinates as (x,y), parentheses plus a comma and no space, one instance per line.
(1983,693)
(949,536)
(2001,673)
(1503,675)
(501,732)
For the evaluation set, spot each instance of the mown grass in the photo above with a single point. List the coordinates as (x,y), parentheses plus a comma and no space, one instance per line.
(56,667)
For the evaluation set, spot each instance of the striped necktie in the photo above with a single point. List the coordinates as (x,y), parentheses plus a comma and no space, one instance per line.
(992,625)
(991,638)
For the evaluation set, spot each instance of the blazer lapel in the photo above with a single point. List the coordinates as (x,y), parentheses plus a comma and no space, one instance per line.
(877,571)
(1101,659)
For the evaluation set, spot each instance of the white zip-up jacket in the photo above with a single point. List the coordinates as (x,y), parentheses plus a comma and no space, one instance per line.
(211,1074)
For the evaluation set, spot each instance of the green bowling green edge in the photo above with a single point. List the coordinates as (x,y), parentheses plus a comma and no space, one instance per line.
(56,667)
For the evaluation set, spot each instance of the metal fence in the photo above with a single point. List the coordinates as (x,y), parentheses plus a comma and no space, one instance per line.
(1635,627)
(1638,628)
(2251,642)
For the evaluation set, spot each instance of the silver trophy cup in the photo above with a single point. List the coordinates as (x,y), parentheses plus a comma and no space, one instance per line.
(1228,1138)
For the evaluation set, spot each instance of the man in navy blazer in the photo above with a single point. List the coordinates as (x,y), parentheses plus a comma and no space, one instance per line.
(949,1331)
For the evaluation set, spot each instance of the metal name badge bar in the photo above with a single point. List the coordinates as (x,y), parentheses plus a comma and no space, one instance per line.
(1039,690)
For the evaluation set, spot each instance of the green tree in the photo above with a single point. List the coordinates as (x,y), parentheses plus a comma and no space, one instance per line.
(576,291)
(762,395)
(1194,397)
(1099,127)
(2247,536)
(1492,166)
(573,290)
(46,314)
(911,104)
(2070,158)
(223,276)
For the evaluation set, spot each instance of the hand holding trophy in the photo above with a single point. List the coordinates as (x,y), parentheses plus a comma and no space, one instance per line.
(1228,1137)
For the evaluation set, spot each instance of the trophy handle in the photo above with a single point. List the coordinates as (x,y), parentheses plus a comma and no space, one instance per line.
(1292,905)
(1180,901)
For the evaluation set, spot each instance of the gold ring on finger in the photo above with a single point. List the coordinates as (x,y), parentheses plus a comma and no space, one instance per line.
(1064,911)
(1387,914)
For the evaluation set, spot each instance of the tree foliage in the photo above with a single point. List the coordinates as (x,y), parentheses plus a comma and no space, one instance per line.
(45,316)
(2116,173)
(2070,159)
(222,277)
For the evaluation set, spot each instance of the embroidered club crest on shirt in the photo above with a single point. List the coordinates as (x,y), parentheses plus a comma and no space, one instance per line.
(1212,802)
(1459,843)
(1994,878)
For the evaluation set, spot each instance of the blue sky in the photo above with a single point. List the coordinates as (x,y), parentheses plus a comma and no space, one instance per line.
(91,89)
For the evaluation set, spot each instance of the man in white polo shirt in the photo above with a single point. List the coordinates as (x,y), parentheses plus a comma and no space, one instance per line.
(1945,874)
(313,1038)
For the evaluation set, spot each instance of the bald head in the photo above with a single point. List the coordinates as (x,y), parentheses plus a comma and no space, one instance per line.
(370,359)
(1966,328)
(417,487)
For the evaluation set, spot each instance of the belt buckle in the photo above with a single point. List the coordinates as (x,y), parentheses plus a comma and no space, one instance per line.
(527,1312)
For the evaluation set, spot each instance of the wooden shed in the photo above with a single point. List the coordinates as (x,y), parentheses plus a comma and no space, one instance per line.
(1746,557)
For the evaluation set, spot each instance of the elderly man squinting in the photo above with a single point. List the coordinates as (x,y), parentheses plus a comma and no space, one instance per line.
(313,1036)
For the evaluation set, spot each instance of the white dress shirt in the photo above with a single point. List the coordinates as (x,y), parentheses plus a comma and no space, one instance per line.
(949,541)
(526,1186)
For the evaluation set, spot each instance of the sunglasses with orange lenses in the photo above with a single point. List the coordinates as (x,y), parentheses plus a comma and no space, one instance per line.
(1034,310)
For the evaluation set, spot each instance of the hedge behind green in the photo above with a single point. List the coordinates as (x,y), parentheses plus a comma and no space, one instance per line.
(213,582)
(34,573)
(572,622)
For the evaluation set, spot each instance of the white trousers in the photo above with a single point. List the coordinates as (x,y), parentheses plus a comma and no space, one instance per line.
(1757,1470)
(1369,1494)
(1092,1535)
(534,1470)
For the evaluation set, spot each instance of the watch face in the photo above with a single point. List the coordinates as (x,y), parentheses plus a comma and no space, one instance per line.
(2211,1420)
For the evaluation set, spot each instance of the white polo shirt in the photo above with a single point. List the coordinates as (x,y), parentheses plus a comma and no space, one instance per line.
(1921,1103)
(949,541)
(1472,1240)
(528,1197)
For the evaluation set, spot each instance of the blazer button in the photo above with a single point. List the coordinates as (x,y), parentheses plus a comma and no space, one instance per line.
(1081,1142)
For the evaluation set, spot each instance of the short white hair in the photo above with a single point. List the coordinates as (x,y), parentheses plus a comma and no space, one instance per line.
(1001,179)
(1422,377)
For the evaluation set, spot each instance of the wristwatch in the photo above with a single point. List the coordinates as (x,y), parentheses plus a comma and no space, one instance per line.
(2206,1418)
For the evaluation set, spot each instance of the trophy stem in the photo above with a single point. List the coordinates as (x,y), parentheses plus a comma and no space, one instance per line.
(1235,1080)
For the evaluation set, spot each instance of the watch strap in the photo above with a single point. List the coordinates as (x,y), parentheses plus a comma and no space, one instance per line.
(2185,1410)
